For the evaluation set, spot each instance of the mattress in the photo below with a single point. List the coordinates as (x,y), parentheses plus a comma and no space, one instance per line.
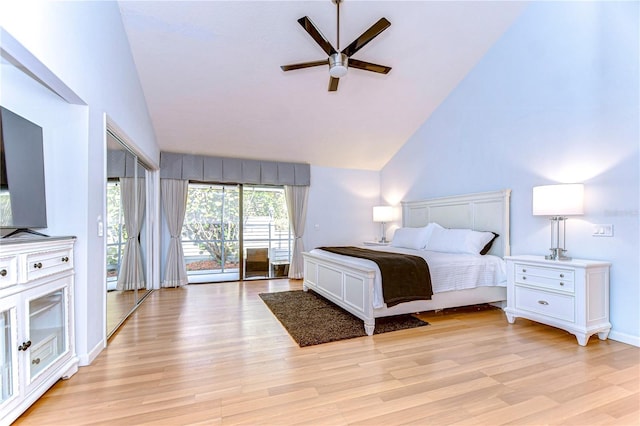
(449,271)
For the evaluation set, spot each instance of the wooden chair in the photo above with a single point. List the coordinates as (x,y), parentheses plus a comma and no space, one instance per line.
(256,262)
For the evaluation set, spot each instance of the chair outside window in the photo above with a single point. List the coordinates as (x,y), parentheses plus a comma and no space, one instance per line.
(279,262)
(256,262)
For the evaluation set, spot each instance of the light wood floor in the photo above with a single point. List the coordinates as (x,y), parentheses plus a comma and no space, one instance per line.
(214,354)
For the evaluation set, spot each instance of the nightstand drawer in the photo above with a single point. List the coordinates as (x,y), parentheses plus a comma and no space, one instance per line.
(541,302)
(552,278)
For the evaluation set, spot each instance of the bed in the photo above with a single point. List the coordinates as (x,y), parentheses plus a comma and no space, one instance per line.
(354,284)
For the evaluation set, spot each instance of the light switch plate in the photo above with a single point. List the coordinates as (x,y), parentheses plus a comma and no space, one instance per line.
(605,230)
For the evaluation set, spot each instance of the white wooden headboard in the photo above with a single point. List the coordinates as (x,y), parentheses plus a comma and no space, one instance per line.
(483,211)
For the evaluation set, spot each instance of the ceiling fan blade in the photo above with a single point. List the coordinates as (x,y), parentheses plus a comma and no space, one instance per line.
(333,84)
(366,37)
(304,65)
(368,66)
(316,35)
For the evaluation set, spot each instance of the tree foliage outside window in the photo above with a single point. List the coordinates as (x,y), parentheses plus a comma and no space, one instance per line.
(211,220)
(270,202)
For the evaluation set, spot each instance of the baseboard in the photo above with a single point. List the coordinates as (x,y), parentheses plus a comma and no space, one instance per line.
(624,338)
(87,359)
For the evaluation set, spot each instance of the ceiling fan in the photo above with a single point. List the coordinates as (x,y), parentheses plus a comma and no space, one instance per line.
(340,61)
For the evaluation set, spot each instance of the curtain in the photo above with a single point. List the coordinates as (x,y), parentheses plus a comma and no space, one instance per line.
(296,197)
(174,203)
(132,194)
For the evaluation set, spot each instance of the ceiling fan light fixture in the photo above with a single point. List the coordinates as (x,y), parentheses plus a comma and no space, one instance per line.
(338,65)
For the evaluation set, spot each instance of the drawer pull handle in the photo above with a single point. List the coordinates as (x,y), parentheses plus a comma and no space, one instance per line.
(35,361)
(561,283)
(65,259)
(3,273)
(524,270)
(561,275)
(24,346)
(37,265)
(543,302)
(524,278)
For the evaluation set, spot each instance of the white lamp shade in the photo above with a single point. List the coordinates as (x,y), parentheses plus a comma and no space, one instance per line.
(558,200)
(382,214)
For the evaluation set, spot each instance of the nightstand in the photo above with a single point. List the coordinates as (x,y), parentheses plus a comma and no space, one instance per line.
(571,295)
(376,243)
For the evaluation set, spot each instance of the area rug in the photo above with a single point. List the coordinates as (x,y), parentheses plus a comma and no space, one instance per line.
(312,320)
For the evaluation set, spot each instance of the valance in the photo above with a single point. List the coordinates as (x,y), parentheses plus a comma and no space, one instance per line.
(232,170)
(121,163)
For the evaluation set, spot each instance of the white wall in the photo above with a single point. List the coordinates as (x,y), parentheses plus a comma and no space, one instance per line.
(340,207)
(84,45)
(554,100)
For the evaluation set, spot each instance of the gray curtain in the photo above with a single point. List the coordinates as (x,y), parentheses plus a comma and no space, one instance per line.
(133,196)
(174,203)
(296,197)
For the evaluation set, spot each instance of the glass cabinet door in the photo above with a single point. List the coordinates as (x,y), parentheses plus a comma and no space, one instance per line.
(7,354)
(47,318)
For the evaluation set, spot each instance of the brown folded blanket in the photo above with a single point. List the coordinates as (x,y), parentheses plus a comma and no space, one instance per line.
(404,277)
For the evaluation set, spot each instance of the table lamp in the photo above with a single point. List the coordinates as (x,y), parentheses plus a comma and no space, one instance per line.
(558,202)
(383,214)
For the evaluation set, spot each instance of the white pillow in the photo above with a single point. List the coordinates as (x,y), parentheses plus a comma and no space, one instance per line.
(430,227)
(458,240)
(413,238)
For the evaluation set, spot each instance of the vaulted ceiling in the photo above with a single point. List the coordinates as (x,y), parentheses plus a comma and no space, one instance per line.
(210,71)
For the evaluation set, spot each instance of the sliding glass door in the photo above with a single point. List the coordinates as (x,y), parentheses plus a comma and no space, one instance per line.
(234,232)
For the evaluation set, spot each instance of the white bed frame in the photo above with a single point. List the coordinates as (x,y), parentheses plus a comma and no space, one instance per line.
(351,287)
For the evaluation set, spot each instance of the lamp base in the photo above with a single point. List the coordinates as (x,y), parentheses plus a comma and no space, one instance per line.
(557,254)
(383,238)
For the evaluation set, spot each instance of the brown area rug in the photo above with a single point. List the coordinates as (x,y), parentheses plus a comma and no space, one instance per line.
(311,319)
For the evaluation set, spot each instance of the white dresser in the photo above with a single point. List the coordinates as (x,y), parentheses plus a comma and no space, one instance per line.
(571,295)
(37,341)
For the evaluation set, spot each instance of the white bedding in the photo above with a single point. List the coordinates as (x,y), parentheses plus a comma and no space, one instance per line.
(449,271)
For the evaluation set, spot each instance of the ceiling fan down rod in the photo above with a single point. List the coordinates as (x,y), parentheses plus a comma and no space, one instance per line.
(338,62)
(337,2)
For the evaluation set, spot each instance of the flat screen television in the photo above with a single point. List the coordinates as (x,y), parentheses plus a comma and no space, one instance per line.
(23,203)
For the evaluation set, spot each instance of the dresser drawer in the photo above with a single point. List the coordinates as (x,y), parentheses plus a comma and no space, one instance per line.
(551,278)
(553,305)
(8,271)
(47,263)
